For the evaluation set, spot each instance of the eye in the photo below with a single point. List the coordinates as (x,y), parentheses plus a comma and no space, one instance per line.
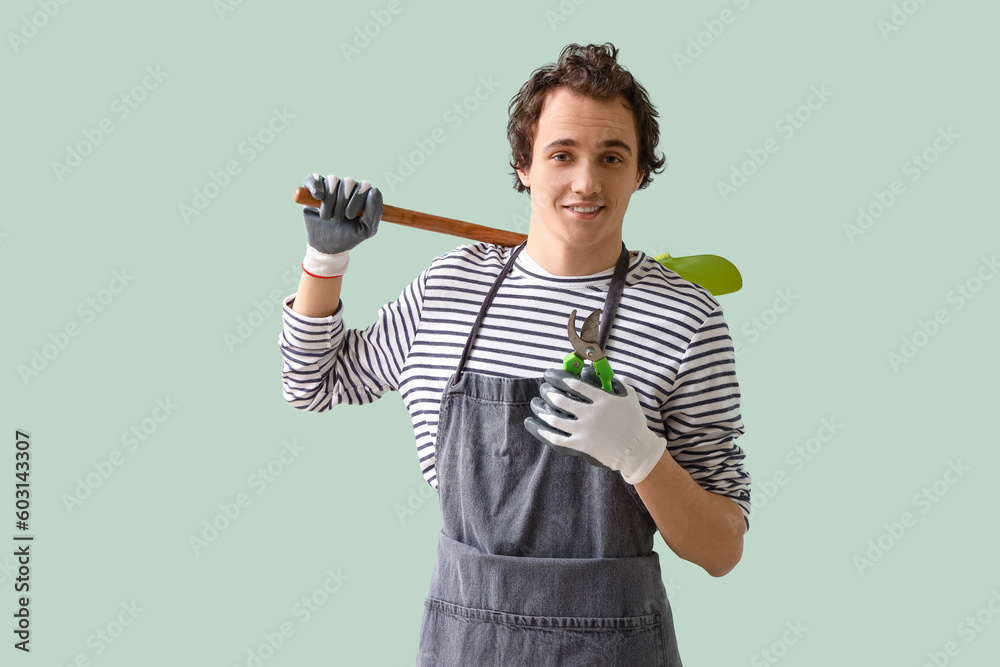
(614,157)
(558,155)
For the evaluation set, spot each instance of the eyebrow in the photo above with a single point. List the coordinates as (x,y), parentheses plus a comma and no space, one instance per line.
(573,143)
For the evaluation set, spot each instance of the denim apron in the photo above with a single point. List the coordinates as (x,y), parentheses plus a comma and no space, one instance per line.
(543,559)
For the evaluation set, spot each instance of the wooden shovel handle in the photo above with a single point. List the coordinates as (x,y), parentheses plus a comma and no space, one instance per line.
(433,223)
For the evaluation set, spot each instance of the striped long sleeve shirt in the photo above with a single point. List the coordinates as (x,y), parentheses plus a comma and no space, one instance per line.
(669,341)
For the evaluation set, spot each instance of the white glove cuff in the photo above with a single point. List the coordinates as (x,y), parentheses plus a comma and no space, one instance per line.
(642,457)
(322,265)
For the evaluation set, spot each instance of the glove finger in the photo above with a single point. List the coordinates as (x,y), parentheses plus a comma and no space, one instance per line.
(569,384)
(542,431)
(349,185)
(589,375)
(559,400)
(540,407)
(569,451)
(620,388)
(327,208)
(587,387)
(555,418)
(316,185)
(373,211)
(343,197)
(558,442)
(358,199)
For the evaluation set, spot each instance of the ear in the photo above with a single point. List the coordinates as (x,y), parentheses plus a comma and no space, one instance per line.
(523,175)
(638,181)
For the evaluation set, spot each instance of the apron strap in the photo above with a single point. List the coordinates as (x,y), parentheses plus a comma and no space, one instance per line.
(482,311)
(614,296)
(607,313)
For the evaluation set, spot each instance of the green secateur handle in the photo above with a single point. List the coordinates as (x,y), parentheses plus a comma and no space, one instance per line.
(574,364)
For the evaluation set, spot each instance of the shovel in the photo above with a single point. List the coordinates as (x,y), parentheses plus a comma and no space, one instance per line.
(716,274)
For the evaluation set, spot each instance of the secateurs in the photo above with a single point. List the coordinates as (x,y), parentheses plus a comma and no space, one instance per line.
(586,346)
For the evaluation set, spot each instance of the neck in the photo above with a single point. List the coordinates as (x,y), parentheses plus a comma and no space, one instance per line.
(561,259)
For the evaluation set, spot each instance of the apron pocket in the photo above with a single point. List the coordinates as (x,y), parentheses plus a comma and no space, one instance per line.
(450,639)
(455,635)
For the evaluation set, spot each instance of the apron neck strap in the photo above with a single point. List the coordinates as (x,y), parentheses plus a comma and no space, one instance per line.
(614,296)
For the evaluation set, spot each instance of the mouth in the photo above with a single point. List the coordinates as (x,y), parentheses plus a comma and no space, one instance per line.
(584,212)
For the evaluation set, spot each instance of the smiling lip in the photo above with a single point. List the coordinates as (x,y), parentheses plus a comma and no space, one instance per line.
(583,214)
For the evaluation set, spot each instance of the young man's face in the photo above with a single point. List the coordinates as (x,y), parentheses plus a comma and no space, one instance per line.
(585,153)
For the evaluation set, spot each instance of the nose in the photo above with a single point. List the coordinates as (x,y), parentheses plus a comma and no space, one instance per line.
(586,179)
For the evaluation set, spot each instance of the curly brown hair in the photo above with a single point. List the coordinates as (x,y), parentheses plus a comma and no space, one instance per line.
(592,71)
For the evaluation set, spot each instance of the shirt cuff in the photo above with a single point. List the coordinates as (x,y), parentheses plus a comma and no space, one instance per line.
(311,333)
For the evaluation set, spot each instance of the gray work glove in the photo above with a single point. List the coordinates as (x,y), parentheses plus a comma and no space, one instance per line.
(577,417)
(543,406)
(335,228)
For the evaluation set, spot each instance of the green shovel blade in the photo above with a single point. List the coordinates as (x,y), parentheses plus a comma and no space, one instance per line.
(716,274)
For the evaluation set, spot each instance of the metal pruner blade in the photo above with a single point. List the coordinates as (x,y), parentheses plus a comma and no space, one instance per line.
(587,344)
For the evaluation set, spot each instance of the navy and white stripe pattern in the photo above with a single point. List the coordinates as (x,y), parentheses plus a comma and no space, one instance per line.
(669,341)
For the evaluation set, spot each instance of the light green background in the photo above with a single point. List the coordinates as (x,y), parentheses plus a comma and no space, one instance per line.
(335,507)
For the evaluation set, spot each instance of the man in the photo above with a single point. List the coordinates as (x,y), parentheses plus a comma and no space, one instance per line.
(551,487)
